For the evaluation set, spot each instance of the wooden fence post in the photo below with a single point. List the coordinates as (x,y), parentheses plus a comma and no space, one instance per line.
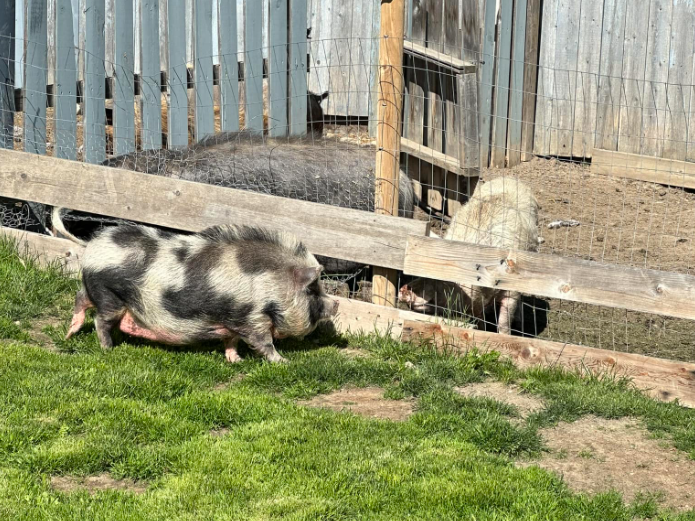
(388,133)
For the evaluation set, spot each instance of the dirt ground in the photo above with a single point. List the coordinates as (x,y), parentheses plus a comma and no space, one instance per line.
(597,455)
(94,484)
(525,403)
(367,401)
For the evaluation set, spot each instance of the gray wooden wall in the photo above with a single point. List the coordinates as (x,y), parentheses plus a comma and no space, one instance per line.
(616,75)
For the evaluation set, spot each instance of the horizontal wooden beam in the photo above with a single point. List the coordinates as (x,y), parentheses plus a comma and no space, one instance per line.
(438,58)
(47,249)
(663,379)
(343,233)
(643,168)
(648,291)
(433,157)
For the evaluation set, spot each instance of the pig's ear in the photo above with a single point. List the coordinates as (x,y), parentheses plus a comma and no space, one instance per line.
(305,276)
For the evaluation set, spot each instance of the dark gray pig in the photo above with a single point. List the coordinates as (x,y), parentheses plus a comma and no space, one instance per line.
(226,283)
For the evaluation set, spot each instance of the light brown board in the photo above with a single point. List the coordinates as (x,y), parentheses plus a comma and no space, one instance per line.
(327,230)
(610,75)
(533,20)
(46,249)
(644,168)
(649,291)
(662,379)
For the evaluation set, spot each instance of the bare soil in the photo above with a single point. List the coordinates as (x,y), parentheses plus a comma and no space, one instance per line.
(367,401)
(94,484)
(509,394)
(595,455)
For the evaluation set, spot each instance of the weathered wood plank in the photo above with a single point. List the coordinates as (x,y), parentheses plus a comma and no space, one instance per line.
(47,250)
(298,81)
(374,71)
(656,76)
(470,29)
(546,80)
(451,41)
(533,20)
(277,69)
(124,81)
(432,156)
(204,100)
(388,134)
(7,65)
(485,97)
(439,59)
(648,291)
(504,55)
(610,75)
(588,63)
(94,84)
(644,168)
(435,24)
(253,65)
(664,380)
(340,43)
(366,237)
(516,94)
(150,79)
(177,111)
(565,70)
(468,92)
(634,57)
(164,33)
(35,78)
(680,74)
(229,68)
(65,94)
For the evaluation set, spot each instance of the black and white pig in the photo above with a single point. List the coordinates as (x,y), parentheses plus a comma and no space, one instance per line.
(226,282)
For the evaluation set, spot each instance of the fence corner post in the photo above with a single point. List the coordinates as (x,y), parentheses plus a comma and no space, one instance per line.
(388,133)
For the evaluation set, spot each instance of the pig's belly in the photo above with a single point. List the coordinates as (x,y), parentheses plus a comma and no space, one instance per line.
(130,326)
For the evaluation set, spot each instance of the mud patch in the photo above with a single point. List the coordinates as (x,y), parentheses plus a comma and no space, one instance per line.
(596,455)
(352,352)
(509,394)
(368,401)
(95,484)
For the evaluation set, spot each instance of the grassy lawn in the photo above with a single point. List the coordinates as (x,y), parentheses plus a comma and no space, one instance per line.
(212,440)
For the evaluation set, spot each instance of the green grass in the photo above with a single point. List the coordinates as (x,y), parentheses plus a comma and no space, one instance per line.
(146,412)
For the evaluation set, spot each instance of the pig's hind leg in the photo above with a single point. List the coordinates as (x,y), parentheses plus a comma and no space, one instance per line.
(110,307)
(82,304)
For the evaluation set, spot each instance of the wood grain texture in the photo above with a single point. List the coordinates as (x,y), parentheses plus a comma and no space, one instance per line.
(66,84)
(438,58)
(229,67)
(277,69)
(177,113)
(366,237)
(35,78)
(388,132)
(610,75)
(656,76)
(680,76)
(634,61)
(531,48)
(298,80)
(432,156)
(46,249)
(516,94)
(468,92)
(470,29)
(150,79)
(588,64)
(94,80)
(667,172)
(565,72)
(504,56)
(648,291)
(486,82)
(546,80)
(7,65)
(664,380)
(204,100)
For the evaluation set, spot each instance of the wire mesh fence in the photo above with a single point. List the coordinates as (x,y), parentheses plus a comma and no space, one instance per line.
(560,199)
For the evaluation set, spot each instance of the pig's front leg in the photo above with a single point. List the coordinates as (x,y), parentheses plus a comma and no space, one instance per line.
(263,343)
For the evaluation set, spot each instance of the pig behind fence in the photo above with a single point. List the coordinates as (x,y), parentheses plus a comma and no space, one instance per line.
(501,213)
(226,283)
